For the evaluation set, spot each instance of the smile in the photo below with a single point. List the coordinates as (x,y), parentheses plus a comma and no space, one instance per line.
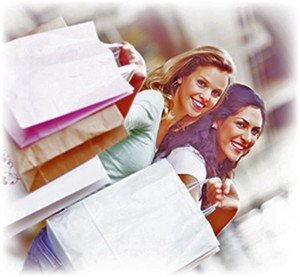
(198,105)
(238,147)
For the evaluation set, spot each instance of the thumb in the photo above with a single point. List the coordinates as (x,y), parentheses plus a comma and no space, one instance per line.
(226,186)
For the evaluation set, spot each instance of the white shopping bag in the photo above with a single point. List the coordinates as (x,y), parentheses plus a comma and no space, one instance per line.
(145,221)
(55,78)
(24,209)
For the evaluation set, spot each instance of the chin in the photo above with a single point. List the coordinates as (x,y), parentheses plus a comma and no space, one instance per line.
(233,158)
(194,114)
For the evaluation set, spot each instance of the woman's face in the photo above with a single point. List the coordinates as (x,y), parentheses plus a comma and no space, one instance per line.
(238,133)
(199,92)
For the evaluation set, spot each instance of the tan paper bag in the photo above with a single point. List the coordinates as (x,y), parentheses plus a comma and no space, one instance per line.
(54,155)
(55,23)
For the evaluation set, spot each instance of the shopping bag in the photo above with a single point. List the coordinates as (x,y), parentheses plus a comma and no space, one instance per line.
(147,221)
(23,209)
(53,24)
(55,78)
(54,155)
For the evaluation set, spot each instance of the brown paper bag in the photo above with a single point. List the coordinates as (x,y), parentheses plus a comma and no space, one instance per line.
(55,23)
(54,155)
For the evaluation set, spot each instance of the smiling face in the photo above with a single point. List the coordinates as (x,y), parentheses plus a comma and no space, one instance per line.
(199,92)
(238,133)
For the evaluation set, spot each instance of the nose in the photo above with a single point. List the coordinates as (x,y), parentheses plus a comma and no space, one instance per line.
(205,95)
(247,137)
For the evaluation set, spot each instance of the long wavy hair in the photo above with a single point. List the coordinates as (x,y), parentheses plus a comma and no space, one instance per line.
(165,77)
(202,136)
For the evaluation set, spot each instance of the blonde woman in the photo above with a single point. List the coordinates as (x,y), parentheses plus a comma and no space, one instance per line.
(175,94)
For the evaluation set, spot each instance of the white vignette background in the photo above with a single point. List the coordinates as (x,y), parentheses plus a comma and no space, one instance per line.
(290,266)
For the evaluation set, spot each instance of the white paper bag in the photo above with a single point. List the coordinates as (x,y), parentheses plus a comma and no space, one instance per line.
(24,209)
(145,221)
(55,78)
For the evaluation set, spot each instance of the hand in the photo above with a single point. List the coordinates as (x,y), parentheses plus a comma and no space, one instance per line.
(224,193)
(129,55)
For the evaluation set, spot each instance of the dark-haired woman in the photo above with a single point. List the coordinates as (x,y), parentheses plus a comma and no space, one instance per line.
(212,147)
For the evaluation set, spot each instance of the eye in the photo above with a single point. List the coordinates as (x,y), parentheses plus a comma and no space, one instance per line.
(240,124)
(255,131)
(216,93)
(201,83)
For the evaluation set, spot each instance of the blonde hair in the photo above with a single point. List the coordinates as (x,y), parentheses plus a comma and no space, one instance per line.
(164,78)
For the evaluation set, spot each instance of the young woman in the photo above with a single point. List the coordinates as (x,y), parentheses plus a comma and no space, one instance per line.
(213,146)
(176,94)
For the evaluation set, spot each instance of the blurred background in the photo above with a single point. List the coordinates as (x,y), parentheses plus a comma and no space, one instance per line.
(261,37)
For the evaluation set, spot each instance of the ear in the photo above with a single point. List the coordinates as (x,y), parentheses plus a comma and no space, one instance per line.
(179,81)
(215,125)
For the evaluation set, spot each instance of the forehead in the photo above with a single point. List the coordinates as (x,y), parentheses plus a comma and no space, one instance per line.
(216,77)
(251,114)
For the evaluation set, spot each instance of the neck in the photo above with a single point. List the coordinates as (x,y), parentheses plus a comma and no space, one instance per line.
(164,127)
(220,157)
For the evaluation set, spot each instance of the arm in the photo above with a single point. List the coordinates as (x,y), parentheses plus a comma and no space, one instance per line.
(189,165)
(188,179)
(129,55)
(226,194)
(227,207)
(190,168)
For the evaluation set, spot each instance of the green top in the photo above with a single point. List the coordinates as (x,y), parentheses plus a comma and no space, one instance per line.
(137,150)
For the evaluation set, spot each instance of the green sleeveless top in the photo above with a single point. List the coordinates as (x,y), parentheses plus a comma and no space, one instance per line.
(137,150)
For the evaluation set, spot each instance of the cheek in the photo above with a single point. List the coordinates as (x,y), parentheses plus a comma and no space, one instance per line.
(224,136)
(214,101)
(184,91)
(231,130)
(252,143)
(221,138)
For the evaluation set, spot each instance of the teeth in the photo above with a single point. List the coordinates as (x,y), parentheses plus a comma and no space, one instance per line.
(238,146)
(197,103)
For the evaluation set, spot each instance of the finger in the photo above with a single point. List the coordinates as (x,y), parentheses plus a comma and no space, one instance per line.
(214,182)
(226,186)
(214,195)
(218,191)
(212,190)
(230,204)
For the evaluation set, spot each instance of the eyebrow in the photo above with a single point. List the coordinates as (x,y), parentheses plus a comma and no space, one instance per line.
(207,81)
(243,120)
(259,127)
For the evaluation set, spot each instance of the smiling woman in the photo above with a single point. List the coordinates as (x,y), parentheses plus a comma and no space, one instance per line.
(238,133)
(192,83)
(199,92)
(212,147)
(174,95)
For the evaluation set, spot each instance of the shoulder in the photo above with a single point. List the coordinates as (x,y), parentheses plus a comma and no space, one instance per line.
(187,160)
(150,95)
(186,152)
(151,100)
(145,111)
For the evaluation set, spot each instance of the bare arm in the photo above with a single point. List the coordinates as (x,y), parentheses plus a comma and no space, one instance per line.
(188,179)
(226,194)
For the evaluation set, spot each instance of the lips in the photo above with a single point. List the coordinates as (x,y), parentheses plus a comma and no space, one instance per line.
(197,104)
(238,147)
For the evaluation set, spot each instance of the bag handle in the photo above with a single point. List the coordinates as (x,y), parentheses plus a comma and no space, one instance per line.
(200,184)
